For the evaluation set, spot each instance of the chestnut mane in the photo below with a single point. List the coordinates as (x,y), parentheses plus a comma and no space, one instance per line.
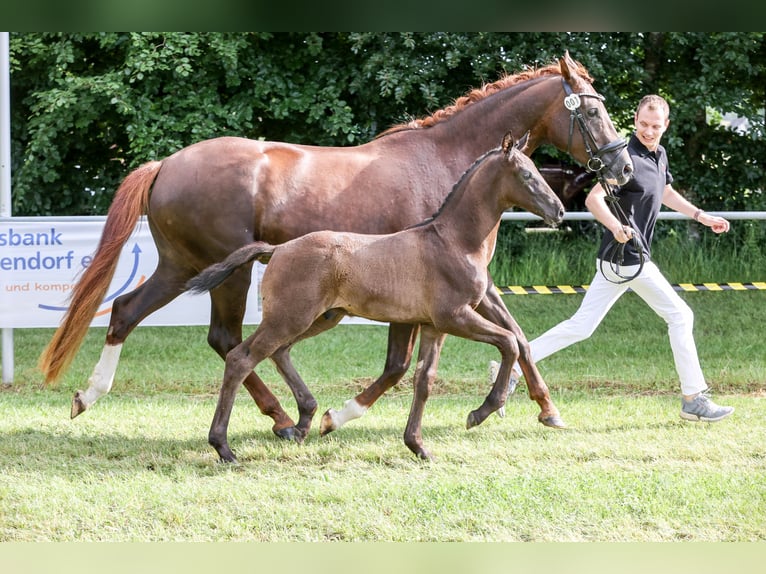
(484,91)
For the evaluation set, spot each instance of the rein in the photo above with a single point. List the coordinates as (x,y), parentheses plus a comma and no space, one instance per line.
(614,254)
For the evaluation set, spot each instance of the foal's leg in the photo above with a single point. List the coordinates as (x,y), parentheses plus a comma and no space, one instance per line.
(493,308)
(431,342)
(240,362)
(227,311)
(307,404)
(509,351)
(466,322)
(401,342)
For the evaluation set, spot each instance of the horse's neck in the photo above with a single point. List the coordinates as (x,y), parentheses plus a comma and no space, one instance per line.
(481,125)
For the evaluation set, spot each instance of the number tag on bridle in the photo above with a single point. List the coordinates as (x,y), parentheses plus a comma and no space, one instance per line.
(572,102)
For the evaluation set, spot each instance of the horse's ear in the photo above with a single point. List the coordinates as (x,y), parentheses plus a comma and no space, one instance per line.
(522,143)
(567,65)
(507,143)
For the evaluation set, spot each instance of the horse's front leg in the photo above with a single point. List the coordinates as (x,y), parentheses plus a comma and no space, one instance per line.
(401,342)
(493,308)
(431,343)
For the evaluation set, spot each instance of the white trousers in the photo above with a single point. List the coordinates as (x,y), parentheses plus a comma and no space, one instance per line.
(658,293)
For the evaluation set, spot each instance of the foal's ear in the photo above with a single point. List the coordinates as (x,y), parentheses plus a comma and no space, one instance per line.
(507,143)
(522,143)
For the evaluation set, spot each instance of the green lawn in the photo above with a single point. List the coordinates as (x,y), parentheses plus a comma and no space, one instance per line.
(136,466)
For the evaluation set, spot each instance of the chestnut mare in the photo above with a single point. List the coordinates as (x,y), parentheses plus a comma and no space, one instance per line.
(433,275)
(210,198)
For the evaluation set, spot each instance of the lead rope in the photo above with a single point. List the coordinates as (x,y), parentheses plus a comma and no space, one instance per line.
(614,254)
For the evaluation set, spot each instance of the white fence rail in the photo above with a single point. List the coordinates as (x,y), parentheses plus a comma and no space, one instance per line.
(672,215)
(7,222)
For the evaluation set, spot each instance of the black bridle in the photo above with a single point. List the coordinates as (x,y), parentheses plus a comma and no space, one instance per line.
(572,102)
(614,254)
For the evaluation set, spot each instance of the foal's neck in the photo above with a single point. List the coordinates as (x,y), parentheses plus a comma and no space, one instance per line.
(470,217)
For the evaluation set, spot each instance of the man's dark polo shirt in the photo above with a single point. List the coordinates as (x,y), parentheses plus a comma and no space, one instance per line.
(641,197)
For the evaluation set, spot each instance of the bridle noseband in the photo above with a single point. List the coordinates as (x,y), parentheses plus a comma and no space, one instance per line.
(614,253)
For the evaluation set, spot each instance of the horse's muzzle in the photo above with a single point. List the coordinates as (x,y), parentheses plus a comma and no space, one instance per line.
(621,178)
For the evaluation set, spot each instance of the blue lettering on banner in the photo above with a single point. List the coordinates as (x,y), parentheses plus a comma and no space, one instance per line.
(12,239)
(37,262)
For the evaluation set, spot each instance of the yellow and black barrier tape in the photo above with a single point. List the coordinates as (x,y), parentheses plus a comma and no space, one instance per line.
(574,289)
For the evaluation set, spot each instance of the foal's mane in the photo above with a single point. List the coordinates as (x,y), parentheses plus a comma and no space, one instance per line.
(485,91)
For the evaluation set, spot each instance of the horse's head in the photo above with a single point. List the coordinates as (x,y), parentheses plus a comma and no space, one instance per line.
(525,186)
(579,123)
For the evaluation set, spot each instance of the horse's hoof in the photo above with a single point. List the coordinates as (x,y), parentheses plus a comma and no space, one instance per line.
(472,420)
(289,433)
(423,454)
(300,435)
(229,460)
(327,424)
(553,421)
(78,406)
(418,450)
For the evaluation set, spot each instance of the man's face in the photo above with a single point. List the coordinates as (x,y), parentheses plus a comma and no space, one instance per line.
(650,125)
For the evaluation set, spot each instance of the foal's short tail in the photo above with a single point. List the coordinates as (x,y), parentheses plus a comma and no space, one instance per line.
(130,202)
(211,277)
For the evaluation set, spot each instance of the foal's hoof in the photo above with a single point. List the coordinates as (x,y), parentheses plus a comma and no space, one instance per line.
(78,406)
(553,421)
(289,433)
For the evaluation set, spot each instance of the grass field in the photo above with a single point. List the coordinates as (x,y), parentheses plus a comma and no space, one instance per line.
(136,467)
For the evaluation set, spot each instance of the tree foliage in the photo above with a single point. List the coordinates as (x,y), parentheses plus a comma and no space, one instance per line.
(87,108)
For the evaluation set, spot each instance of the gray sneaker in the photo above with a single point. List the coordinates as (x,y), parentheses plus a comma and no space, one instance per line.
(703,409)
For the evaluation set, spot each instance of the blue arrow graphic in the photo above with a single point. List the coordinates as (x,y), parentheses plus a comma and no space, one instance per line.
(136,251)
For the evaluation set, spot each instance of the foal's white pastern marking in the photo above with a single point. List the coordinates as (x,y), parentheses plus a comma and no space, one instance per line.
(100,382)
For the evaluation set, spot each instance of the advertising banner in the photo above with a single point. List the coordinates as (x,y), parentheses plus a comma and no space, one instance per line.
(42,258)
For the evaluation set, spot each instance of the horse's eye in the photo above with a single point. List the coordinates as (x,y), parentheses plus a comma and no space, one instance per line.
(526,175)
(592,112)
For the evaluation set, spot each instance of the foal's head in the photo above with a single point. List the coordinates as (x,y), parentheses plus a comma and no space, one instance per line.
(521,183)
